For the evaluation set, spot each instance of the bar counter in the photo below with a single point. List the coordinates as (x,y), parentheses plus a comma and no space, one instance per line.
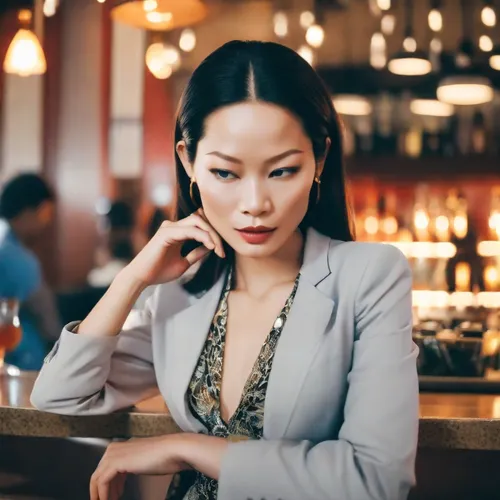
(447,421)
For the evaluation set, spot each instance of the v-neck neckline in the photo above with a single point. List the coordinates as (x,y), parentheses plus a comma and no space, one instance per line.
(277,325)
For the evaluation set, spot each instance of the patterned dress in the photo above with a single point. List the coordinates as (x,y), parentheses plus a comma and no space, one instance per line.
(204,389)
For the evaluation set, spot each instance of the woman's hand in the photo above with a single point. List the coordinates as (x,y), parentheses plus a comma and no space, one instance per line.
(145,456)
(160,261)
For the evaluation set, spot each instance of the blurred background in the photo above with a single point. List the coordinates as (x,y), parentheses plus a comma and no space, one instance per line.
(88,97)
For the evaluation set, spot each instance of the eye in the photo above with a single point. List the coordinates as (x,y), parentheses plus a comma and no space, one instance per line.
(223,175)
(284,172)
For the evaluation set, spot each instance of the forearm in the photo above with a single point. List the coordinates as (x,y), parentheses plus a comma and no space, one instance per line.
(109,314)
(202,453)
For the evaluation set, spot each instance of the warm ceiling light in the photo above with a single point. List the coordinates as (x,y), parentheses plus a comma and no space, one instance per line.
(384,4)
(431,107)
(469,90)
(436,45)
(307,19)
(410,64)
(410,44)
(353,105)
(315,36)
(25,55)
(435,20)
(495,61)
(167,15)
(387,24)
(162,60)
(50,7)
(378,58)
(150,5)
(306,53)
(280,24)
(187,41)
(488,16)
(485,43)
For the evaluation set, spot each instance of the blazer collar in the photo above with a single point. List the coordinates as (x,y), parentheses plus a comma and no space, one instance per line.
(188,329)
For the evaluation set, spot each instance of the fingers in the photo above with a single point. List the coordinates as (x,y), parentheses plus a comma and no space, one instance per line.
(178,234)
(199,220)
(196,255)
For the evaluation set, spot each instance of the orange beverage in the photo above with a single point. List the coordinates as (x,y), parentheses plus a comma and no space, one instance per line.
(10,328)
(10,336)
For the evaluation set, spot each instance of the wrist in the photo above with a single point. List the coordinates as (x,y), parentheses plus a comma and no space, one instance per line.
(126,279)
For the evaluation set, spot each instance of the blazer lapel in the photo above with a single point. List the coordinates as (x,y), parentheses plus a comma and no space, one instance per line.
(187,331)
(300,339)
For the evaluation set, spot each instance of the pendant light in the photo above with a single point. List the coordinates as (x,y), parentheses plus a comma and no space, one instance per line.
(25,55)
(465,87)
(495,59)
(159,15)
(409,61)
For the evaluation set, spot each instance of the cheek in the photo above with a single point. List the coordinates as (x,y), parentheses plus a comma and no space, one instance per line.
(218,201)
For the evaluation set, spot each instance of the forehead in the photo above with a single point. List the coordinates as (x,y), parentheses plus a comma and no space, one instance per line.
(244,126)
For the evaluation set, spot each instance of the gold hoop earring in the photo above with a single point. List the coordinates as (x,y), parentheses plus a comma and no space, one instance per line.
(317,180)
(191,194)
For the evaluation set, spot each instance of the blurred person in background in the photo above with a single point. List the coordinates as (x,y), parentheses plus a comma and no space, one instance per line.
(26,212)
(119,248)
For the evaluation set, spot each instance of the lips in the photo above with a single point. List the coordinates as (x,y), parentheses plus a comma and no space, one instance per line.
(256,235)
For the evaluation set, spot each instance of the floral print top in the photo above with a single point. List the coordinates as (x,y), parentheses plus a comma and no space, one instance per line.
(204,389)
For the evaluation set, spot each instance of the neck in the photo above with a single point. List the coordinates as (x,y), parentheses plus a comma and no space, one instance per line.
(17,227)
(258,275)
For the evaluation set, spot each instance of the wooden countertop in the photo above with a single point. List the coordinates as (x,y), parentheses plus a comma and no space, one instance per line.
(452,421)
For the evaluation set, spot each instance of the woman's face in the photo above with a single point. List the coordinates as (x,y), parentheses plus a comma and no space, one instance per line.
(254,169)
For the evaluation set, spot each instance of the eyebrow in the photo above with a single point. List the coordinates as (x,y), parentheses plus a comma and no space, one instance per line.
(269,161)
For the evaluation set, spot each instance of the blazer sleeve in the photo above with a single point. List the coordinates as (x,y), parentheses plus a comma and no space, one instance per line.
(90,375)
(374,455)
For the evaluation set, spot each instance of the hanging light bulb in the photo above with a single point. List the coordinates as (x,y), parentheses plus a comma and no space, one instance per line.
(410,44)
(384,4)
(187,41)
(410,63)
(306,53)
(485,43)
(150,5)
(50,7)
(378,47)
(495,59)
(315,36)
(488,16)
(162,60)
(387,24)
(307,19)
(101,1)
(25,55)
(280,24)
(435,20)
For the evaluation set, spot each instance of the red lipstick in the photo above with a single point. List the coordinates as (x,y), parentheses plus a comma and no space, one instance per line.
(256,235)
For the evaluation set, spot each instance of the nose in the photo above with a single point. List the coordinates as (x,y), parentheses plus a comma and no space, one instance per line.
(254,198)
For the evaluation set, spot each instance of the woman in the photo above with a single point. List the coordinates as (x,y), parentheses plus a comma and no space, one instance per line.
(285,353)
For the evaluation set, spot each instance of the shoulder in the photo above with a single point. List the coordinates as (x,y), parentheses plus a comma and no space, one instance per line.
(366,257)
(19,260)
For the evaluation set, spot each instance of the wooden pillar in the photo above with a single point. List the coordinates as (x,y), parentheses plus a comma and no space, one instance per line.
(77,160)
(159,127)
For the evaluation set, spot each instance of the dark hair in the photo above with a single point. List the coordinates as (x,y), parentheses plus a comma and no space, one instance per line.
(122,249)
(120,216)
(23,192)
(157,218)
(252,70)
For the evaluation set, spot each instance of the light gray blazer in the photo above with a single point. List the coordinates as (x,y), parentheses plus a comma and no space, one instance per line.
(341,410)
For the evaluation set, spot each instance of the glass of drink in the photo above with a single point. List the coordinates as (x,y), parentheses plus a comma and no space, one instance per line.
(10,332)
